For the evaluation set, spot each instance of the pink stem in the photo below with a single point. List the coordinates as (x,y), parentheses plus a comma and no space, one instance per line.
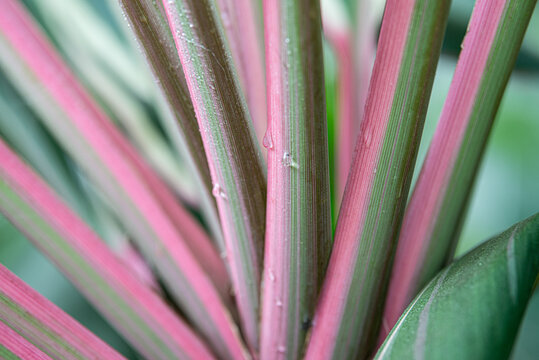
(51,319)
(139,186)
(19,346)
(44,201)
(426,200)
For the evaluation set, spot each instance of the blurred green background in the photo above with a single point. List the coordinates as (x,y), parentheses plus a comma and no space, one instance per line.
(506,191)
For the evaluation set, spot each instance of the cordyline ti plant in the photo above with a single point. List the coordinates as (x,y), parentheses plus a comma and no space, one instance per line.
(195,242)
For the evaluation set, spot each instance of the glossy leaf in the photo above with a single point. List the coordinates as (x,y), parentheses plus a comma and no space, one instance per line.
(473,308)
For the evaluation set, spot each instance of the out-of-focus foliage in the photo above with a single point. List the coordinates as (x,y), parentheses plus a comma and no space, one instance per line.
(507,188)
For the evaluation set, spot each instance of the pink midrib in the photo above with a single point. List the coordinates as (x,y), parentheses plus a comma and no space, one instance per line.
(357,192)
(45,202)
(425,203)
(276,285)
(18,345)
(47,313)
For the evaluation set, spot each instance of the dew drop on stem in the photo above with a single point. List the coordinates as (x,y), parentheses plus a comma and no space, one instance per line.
(271,275)
(218,191)
(288,161)
(367,138)
(267,141)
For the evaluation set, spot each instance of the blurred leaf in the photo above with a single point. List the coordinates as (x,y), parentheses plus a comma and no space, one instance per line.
(29,314)
(136,311)
(31,266)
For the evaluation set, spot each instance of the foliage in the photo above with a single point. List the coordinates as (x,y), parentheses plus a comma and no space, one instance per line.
(190,197)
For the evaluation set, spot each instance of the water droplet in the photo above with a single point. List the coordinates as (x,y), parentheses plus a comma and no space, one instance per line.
(281,349)
(271,275)
(399,193)
(289,161)
(279,303)
(287,40)
(267,141)
(223,255)
(226,19)
(218,191)
(374,171)
(367,138)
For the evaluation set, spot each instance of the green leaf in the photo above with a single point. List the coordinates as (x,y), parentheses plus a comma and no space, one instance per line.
(473,308)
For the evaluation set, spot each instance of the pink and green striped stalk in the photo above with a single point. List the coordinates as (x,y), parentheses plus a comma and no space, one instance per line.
(298,220)
(149,24)
(109,160)
(24,312)
(434,215)
(350,304)
(15,347)
(236,166)
(28,138)
(107,65)
(75,126)
(136,312)
(240,19)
